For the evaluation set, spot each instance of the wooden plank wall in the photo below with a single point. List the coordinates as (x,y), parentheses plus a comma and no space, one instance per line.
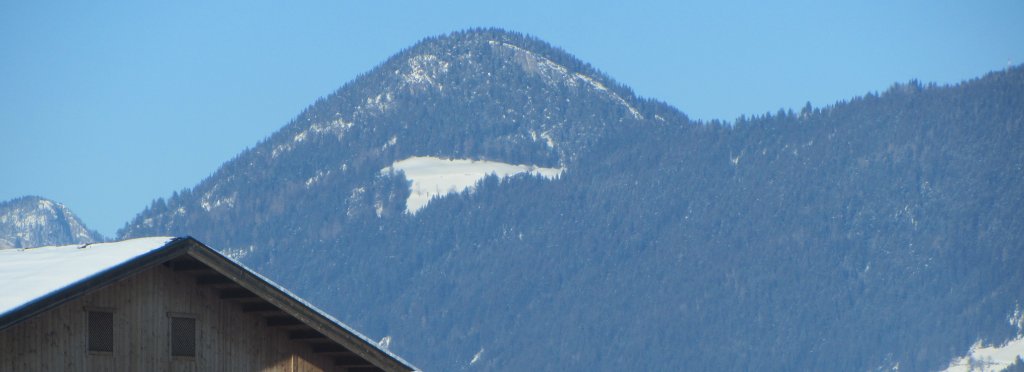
(228,339)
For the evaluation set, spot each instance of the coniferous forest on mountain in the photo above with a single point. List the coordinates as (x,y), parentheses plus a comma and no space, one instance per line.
(881,231)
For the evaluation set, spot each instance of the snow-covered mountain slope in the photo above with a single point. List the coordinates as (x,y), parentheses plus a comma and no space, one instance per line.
(433,177)
(32,221)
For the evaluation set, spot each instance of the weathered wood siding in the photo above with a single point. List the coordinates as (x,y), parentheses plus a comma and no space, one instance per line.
(227,338)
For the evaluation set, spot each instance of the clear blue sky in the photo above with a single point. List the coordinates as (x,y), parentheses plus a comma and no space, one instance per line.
(106,105)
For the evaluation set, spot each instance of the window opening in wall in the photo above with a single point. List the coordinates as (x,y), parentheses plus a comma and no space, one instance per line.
(183,336)
(101,331)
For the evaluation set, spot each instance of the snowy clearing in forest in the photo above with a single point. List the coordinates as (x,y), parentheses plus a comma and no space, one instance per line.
(989,358)
(436,177)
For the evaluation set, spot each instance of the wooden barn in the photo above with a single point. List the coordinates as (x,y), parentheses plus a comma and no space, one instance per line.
(164,304)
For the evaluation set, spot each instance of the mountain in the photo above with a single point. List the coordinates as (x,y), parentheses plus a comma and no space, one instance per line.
(31,221)
(616,233)
(437,99)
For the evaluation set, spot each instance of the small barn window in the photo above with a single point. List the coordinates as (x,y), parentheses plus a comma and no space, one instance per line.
(101,331)
(183,336)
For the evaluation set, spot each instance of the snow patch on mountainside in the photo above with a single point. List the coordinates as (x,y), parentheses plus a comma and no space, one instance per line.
(389,143)
(1017,319)
(545,135)
(993,358)
(423,70)
(553,73)
(381,102)
(317,177)
(476,357)
(989,358)
(338,127)
(238,253)
(208,203)
(354,197)
(597,85)
(436,177)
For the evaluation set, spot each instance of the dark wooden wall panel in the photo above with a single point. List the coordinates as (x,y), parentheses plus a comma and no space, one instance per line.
(228,339)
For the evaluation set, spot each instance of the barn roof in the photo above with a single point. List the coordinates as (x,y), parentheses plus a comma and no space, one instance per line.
(34,280)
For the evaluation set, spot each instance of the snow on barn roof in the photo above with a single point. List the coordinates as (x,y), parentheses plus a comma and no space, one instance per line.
(29,274)
(33,280)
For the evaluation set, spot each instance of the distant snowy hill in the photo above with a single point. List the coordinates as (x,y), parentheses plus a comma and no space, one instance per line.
(486,201)
(32,221)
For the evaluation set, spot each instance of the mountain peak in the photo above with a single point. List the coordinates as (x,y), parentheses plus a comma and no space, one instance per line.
(494,46)
(32,221)
(473,84)
(488,95)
